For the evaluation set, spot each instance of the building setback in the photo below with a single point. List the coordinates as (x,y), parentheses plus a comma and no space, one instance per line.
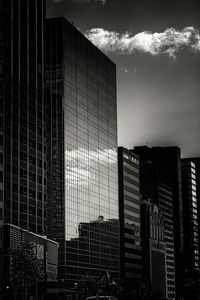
(82,131)
(129,212)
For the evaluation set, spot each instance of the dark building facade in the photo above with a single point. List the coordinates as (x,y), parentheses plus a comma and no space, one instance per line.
(22,116)
(129,212)
(153,250)
(46,251)
(81,98)
(24,106)
(160,177)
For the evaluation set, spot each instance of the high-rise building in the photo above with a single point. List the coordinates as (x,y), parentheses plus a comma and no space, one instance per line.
(191,220)
(129,214)
(153,250)
(164,165)
(155,192)
(25,118)
(22,116)
(82,153)
(165,205)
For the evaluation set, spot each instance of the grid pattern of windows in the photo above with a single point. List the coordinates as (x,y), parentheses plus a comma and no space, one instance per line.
(166,206)
(24,108)
(190,211)
(84,80)
(129,211)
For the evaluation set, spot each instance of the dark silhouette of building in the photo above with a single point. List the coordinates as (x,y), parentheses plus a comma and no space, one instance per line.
(129,212)
(82,148)
(161,183)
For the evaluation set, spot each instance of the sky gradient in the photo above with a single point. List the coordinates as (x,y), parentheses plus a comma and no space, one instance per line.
(156,47)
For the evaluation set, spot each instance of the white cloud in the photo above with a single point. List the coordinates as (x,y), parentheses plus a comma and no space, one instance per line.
(167,42)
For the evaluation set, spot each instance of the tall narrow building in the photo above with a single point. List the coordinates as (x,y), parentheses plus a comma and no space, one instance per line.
(82,154)
(129,212)
(165,204)
(24,112)
(191,220)
(22,117)
(161,182)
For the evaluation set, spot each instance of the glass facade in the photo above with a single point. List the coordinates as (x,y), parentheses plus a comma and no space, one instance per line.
(24,106)
(81,85)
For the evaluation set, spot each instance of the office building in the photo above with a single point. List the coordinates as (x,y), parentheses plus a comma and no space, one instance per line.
(46,254)
(46,250)
(166,207)
(82,152)
(22,116)
(129,212)
(24,111)
(190,190)
(168,163)
(153,250)
(155,192)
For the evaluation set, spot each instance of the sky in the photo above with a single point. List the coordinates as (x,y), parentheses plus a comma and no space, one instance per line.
(156,48)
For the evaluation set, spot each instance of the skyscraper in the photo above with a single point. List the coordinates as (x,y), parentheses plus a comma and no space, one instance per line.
(24,106)
(22,117)
(82,153)
(165,203)
(191,220)
(24,158)
(153,249)
(155,192)
(166,168)
(129,212)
